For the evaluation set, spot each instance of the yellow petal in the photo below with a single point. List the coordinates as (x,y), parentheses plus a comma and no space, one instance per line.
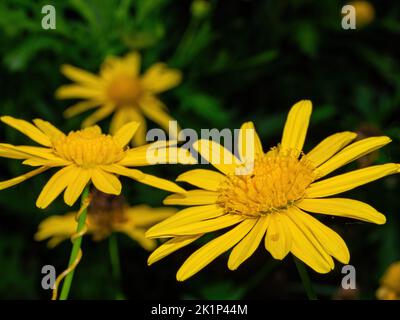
(278,240)
(187,216)
(48,129)
(294,133)
(57,183)
(125,133)
(159,78)
(161,183)
(330,240)
(220,157)
(154,110)
(12,182)
(98,115)
(80,75)
(195,227)
(27,152)
(117,169)
(80,107)
(207,253)
(171,246)
(329,146)
(250,145)
(350,180)
(145,216)
(37,162)
(307,248)
(192,198)
(132,61)
(343,208)
(202,178)
(27,129)
(127,114)
(352,152)
(78,91)
(75,188)
(106,182)
(246,247)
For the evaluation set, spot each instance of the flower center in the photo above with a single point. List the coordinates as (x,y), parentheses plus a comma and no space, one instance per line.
(124,89)
(104,212)
(276,182)
(88,148)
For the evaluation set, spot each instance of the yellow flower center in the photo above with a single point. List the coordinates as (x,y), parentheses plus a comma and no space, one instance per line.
(276,182)
(88,148)
(124,90)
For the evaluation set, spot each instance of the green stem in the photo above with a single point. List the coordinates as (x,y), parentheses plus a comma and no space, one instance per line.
(115,263)
(305,278)
(76,246)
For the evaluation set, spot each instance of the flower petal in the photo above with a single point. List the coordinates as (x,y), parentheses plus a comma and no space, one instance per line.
(352,152)
(192,198)
(27,129)
(202,178)
(278,240)
(48,129)
(80,75)
(294,133)
(75,188)
(249,142)
(14,181)
(78,91)
(159,78)
(191,228)
(106,182)
(207,253)
(307,248)
(349,180)
(246,247)
(171,246)
(329,239)
(57,183)
(127,114)
(220,157)
(329,146)
(98,115)
(125,133)
(145,216)
(80,107)
(187,216)
(342,207)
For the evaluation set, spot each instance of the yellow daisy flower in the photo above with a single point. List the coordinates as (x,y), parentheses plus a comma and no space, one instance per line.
(83,156)
(106,214)
(271,200)
(390,283)
(120,89)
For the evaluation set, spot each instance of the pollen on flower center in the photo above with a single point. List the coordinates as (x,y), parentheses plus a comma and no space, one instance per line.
(124,89)
(88,148)
(276,182)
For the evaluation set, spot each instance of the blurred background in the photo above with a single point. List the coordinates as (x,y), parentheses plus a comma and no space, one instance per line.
(241,60)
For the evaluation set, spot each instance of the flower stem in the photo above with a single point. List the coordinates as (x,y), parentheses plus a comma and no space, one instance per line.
(76,247)
(115,263)
(305,278)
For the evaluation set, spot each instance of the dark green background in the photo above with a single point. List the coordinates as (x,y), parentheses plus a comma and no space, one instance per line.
(241,60)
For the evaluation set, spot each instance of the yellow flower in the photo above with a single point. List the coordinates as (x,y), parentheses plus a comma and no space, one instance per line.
(390,283)
(83,156)
(106,214)
(365,12)
(120,89)
(271,200)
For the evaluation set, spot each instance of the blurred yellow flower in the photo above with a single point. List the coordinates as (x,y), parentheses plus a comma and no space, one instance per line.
(365,12)
(83,156)
(106,214)
(272,199)
(120,89)
(390,283)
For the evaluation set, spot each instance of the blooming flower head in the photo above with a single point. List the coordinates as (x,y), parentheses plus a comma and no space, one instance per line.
(83,156)
(390,283)
(270,201)
(119,89)
(106,214)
